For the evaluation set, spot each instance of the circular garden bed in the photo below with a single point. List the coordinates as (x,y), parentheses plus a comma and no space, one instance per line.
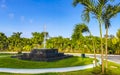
(8,62)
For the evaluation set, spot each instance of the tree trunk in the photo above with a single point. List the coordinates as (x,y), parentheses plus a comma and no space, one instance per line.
(102,54)
(93,42)
(94,52)
(106,52)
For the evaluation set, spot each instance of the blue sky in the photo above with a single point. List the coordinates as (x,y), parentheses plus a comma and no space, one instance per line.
(59,16)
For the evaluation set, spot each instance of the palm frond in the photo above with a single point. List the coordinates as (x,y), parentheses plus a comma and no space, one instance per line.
(86,15)
(110,12)
(75,2)
(86,3)
(107,23)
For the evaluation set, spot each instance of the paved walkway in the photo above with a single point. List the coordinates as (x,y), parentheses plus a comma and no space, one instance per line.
(35,71)
(112,58)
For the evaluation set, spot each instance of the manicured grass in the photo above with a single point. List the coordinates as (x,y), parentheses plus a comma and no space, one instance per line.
(113,69)
(8,62)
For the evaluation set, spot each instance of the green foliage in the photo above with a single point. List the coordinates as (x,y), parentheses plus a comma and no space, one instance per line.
(78,39)
(3,41)
(78,30)
(118,34)
(17,43)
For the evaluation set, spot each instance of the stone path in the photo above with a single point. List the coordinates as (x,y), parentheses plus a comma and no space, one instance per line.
(34,71)
(112,58)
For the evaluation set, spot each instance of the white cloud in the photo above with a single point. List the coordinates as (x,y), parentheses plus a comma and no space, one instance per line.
(3,1)
(22,18)
(27,34)
(11,15)
(3,6)
(31,20)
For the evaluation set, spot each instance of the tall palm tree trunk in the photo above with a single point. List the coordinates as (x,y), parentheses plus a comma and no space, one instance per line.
(93,42)
(94,53)
(102,54)
(106,52)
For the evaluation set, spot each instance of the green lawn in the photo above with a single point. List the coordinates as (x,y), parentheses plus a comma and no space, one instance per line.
(7,62)
(113,69)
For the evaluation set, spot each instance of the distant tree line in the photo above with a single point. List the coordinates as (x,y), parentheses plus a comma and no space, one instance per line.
(77,42)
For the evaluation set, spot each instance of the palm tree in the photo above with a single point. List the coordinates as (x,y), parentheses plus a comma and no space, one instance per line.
(78,30)
(118,34)
(78,34)
(3,41)
(95,7)
(109,13)
(94,49)
(15,40)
